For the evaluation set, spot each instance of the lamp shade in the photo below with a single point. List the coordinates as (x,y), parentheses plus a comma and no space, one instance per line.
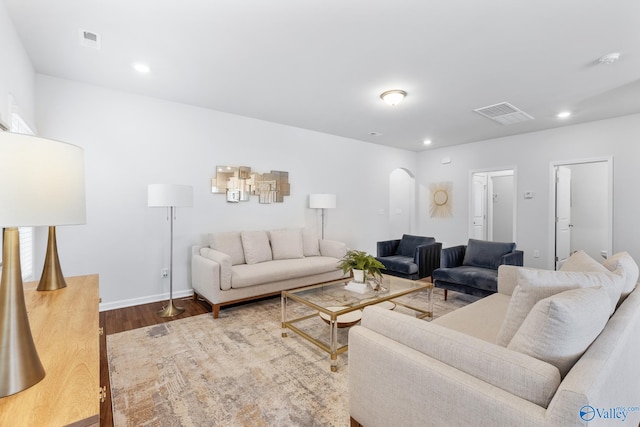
(165,195)
(41,182)
(322,201)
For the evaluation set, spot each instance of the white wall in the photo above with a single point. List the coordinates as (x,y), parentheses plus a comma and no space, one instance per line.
(532,154)
(131,141)
(16,73)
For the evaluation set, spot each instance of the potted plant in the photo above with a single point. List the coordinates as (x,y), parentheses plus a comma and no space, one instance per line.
(361,265)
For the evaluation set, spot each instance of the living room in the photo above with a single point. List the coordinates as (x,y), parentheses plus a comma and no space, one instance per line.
(132,140)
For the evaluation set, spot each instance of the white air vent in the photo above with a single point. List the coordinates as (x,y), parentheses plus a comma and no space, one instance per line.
(89,39)
(504,113)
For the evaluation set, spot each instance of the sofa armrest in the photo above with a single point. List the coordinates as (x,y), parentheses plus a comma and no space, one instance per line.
(453,256)
(513,258)
(392,384)
(208,257)
(427,258)
(332,248)
(507,279)
(387,247)
(511,371)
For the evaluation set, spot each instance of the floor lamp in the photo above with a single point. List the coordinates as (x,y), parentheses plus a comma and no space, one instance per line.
(322,201)
(170,196)
(41,184)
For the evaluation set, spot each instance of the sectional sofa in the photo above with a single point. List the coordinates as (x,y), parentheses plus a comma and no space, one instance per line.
(548,349)
(244,265)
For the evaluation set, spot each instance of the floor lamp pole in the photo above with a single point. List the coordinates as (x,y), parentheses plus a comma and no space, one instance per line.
(171,310)
(322,223)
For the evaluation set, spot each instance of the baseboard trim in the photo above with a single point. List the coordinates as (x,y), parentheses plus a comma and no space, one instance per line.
(144,300)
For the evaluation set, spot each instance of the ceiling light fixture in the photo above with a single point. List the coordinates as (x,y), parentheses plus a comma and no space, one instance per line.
(563,114)
(141,68)
(609,58)
(427,142)
(393,97)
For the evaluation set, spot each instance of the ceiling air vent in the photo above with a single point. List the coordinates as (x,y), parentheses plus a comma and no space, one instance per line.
(504,113)
(89,39)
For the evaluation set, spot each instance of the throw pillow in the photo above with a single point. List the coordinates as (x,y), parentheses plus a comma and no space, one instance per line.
(286,244)
(310,242)
(559,329)
(230,244)
(256,246)
(580,261)
(623,261)
(534,285)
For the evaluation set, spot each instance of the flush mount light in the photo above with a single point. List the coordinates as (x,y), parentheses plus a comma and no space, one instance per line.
(393,97)
(427,142)
(609,58)
(563,114)
(141,68)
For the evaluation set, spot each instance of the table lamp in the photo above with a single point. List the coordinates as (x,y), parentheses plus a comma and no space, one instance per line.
(322,201)
(41,184)
(170,196)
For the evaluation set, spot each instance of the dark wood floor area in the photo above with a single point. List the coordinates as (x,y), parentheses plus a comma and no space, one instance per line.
(125,319)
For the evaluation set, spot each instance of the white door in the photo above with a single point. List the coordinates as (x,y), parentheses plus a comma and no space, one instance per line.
(479,206)
(563,215)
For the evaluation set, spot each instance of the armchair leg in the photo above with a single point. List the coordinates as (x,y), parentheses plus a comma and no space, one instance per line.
(445,294)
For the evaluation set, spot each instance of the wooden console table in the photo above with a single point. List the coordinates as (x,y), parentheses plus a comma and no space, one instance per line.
(65,328)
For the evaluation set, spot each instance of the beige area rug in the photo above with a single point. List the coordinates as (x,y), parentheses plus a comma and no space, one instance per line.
(233,371)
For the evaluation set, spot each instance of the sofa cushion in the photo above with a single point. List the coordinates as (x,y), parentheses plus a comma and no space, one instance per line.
(476,277)
(623,262)
(229,243)
(400,264)
(256,246)
(408,244)
(559,329)
(310,243)
(534,285)
(286,244)
(482,253)
(246,275)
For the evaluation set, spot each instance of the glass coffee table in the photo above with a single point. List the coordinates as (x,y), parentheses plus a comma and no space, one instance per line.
(322,313)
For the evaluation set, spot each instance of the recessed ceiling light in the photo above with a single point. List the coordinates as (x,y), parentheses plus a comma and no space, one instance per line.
(141,68)
(393,97)
(609,58)
(563,114)
(427,142)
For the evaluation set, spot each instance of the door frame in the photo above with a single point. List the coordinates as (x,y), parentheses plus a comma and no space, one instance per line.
(551,262)
(489,171)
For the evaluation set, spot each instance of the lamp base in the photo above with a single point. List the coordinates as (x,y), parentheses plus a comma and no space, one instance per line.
(170,310)
(20,366)
(52,278)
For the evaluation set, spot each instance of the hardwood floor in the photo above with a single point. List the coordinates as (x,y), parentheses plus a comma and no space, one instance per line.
(125,319)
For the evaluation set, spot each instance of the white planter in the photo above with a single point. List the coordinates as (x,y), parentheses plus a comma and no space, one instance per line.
(358,276)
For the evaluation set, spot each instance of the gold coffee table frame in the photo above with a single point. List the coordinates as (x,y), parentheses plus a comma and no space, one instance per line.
(331,294)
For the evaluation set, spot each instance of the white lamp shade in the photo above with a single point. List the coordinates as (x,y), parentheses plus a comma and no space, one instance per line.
(322,201)
(41,182)
(164,195)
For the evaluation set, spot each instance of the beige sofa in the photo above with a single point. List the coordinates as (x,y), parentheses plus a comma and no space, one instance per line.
(577,368)
(244,265)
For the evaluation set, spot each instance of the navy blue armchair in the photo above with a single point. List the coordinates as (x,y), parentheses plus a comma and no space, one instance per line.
(473,268)
(412,257)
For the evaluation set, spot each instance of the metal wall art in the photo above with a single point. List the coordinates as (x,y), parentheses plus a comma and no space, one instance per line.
(239,183)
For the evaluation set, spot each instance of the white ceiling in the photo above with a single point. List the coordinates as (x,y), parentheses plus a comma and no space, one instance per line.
(321,64)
